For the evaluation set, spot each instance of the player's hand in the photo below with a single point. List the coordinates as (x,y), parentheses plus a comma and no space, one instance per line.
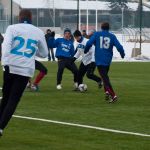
(73,59)
(122,55)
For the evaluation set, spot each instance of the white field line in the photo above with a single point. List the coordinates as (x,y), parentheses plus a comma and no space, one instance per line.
(82,126)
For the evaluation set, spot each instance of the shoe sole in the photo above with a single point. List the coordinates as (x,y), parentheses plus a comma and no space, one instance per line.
(113,100)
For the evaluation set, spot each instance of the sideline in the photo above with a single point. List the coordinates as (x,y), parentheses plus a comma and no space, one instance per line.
(82,126)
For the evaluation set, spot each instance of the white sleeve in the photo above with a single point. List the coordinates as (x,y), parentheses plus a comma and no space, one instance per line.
(7,43)
(78,53)
(42,47)
(93,53)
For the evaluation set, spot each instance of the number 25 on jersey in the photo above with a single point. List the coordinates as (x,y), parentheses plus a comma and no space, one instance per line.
(29,47)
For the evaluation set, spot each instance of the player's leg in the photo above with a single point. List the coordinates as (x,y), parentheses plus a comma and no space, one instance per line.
(61,67)
(7,84)
(81,73)
(19,85)
(73,68)
(52,54)
(49,55)
(103,70)
(42,72)
(90,74)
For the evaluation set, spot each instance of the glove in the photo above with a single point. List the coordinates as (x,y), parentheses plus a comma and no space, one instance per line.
(73,59)
(122,55)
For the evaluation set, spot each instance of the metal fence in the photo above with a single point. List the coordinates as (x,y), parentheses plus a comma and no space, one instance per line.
(54,15)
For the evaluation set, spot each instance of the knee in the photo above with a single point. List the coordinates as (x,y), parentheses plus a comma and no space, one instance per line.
(89,75)
(44,70)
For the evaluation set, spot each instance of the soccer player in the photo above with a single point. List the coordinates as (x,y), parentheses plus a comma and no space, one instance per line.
(50,37)
(64,53)
(87,65)
(104,42)
(22,42)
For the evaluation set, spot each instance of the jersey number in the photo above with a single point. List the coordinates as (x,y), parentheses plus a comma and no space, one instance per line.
(30,47)
(104,42)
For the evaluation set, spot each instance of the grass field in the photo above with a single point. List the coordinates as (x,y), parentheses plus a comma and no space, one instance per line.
(131,113)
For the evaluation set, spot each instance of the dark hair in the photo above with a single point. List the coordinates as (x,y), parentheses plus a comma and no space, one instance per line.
(77,33)
(25,15)
(53,33)
(48,30)
(67,30)
(105,26)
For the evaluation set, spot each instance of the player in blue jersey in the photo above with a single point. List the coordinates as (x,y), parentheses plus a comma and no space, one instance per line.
(64,53)
(104,42)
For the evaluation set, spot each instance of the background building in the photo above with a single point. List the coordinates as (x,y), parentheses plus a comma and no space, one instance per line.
(63,13)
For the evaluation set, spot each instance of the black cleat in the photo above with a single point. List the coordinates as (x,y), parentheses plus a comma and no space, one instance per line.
(114,99)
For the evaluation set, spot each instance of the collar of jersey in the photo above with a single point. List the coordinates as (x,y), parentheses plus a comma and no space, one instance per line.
(25,21)
(81,39)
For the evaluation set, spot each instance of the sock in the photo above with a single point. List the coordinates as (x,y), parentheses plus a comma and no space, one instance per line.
(110,91)
(1,132)
(39,77)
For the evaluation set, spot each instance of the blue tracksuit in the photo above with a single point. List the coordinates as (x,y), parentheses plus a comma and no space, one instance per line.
(64,47)
(104,42)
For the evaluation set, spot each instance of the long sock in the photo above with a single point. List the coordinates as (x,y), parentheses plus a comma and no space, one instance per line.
(38,78)
(110,91)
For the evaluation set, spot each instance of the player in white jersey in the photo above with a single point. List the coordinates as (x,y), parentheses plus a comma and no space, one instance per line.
(87,65)
(22,42)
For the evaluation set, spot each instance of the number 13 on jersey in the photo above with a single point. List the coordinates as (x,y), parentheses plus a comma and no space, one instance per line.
(104,42)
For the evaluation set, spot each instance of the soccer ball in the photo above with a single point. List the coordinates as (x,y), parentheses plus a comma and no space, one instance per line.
(82,87)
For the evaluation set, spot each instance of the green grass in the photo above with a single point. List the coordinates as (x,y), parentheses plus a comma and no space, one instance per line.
(131,81)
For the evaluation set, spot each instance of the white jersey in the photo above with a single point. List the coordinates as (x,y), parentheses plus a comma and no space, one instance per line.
(85,58)
(22,42)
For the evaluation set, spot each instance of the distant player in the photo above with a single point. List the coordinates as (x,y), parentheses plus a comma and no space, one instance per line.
(64,53)
(87,65)
(104,42)
(50,37)
(22,42)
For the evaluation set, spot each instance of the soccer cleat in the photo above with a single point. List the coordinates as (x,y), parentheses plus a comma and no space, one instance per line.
(107,96)
(114,99)
(100,84)
(75,86)
(59,87)
(1,132)
(28,86)
(34,87)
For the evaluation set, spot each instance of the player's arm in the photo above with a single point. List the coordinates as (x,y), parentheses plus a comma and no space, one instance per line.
(72,51)
(42,47)
(78,53)
(56,43)
(119,47)
(7,43)
(89,43)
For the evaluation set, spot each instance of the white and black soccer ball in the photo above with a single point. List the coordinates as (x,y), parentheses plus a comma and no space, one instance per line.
(82,87)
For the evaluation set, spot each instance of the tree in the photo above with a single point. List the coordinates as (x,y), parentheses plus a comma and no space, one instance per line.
(117,5)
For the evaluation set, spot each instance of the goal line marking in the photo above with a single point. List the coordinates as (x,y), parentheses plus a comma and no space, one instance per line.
(82,126)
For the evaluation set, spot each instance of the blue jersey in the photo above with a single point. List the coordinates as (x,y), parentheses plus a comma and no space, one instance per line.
(64,48)
(104,42)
